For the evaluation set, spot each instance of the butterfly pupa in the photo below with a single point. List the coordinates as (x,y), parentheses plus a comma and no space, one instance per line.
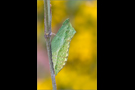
(60,45)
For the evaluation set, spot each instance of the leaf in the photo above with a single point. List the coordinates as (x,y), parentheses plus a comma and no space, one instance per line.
(60,45)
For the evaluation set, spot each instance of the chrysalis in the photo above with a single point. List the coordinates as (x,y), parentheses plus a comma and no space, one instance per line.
(60,45)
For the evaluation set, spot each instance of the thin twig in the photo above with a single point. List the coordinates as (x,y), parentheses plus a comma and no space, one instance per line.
(47,35)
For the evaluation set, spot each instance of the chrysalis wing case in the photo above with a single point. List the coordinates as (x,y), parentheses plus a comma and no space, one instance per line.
(60,45)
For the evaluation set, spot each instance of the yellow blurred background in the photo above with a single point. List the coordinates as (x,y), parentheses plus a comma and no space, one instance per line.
(80,71)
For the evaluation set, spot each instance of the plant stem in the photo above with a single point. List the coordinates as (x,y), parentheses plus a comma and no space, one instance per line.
(47,35)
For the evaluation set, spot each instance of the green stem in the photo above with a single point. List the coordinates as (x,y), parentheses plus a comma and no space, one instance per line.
(47,35)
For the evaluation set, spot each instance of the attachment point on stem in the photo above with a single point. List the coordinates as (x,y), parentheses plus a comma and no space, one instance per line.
(47,35)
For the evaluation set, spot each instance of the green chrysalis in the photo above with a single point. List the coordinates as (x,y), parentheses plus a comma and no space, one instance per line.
(60,45)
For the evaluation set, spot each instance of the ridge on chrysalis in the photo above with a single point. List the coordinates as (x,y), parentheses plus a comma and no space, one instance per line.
(60,45)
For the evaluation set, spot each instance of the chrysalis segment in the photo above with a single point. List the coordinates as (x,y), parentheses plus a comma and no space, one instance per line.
(62,57)
(60,45)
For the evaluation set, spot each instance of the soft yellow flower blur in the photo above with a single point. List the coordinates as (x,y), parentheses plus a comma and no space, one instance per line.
(80,71)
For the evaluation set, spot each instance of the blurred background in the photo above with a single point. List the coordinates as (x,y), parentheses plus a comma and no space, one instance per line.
(80,71)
